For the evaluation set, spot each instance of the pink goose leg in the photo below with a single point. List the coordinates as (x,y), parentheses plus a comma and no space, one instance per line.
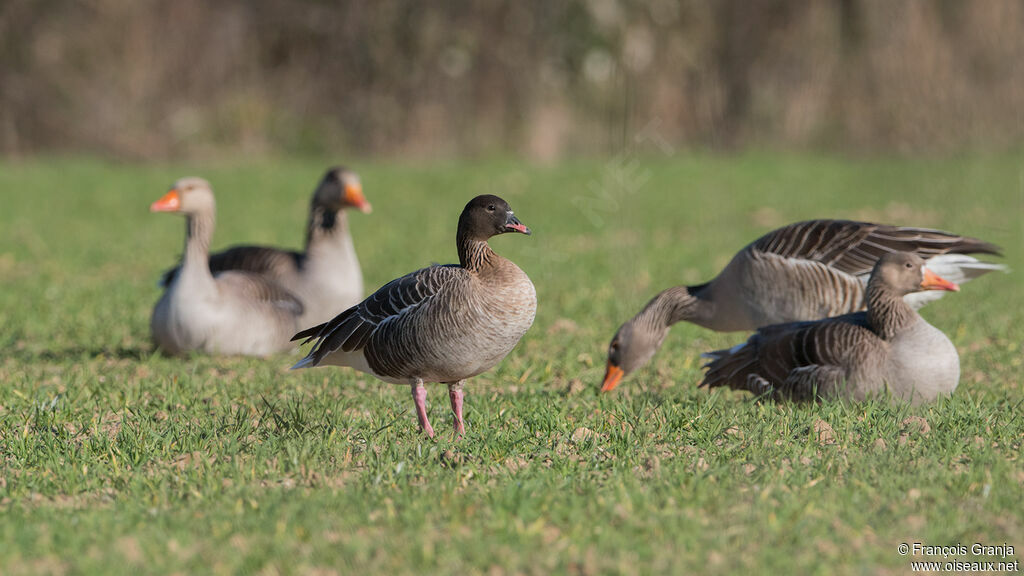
(419,395)
(455,395)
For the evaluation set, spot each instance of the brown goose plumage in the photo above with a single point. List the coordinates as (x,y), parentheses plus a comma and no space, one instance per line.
(325,276)
(805,271)
(232,312)
(887,348)
(441,323)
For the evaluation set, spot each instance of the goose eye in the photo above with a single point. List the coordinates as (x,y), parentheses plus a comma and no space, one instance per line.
(491,208)
(909,265)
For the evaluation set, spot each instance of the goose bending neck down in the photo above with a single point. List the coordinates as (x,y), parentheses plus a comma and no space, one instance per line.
(438,324)
(227,313)
(887,349)
(805,271)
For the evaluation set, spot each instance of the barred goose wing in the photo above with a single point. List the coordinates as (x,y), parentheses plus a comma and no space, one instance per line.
(351,330)
(797,360)
(854,247)
(257,259)
(272,262)
(258,290)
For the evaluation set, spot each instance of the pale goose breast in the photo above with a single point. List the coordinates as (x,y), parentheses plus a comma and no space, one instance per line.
(923,363)
(256,316)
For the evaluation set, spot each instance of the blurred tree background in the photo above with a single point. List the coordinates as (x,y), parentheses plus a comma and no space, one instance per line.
(156,79)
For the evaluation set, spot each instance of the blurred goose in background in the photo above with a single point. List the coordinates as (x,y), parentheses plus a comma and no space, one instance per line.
(231,312)
(804,271)
(887,349)
(325,276)
(438,324)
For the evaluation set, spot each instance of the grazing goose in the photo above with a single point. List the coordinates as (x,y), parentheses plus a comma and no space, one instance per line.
(805,271)
(325,276)
(888,348)
(232,312)
(438,324)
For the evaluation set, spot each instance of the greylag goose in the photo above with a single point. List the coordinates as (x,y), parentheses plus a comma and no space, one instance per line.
(804,271)
(438,324)
(888,348)
(232,312)
(325,276)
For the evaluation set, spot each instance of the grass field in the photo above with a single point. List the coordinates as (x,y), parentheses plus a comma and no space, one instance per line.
(118,460)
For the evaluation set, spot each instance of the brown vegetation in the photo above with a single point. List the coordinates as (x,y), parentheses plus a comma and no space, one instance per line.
(148,78)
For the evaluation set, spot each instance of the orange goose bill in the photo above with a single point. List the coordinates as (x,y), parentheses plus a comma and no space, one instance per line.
(170,202)
(612,376)
(933,281)
(354,196)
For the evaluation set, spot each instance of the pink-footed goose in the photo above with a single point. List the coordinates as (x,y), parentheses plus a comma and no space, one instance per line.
(804,271)
(325,276)
(887,349)
(438,324)
(232,312)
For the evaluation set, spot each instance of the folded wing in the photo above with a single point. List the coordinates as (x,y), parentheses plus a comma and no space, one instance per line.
(262,260)
(351,330)
(800,360)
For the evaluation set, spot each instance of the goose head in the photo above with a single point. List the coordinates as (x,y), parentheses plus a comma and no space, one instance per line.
(631,348)
(187,196)
(488,215)
(339,189)
(905,273)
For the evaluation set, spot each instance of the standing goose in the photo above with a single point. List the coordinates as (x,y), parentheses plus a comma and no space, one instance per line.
(888,348)
(441,323)
(804,271)
(325,276)
(232,312)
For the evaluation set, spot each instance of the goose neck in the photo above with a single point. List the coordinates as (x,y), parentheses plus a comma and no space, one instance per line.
(198,235)
(887,312)
(326,228)
(475,254)
(674,305)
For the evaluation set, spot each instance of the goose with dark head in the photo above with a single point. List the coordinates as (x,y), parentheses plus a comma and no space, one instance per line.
(441,323)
